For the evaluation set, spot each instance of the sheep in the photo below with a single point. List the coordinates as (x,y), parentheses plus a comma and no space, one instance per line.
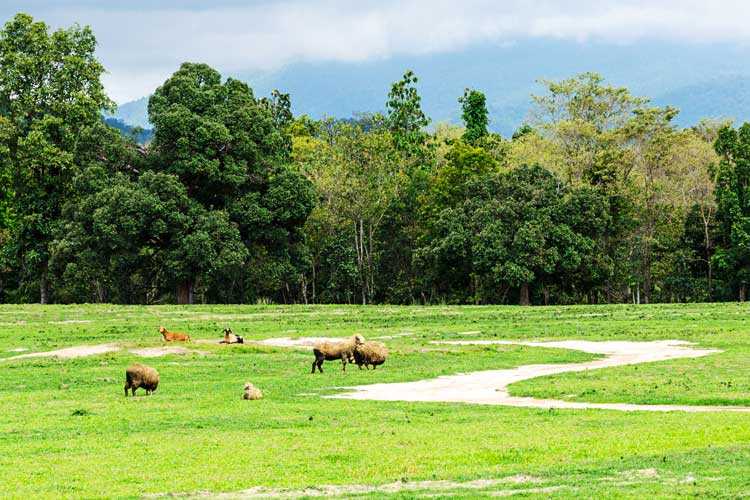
(139,375)
(172,336)
(370,353)
(330,351)
(230,338)
(252,392)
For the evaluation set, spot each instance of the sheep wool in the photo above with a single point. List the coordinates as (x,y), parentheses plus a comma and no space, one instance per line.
(143,376)
(370,353)
(331,351)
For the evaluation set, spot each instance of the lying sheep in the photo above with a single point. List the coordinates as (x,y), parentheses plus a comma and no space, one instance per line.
(370,353)
(252,392)
(230,338)
(330,351)
(139,375)
(173,336)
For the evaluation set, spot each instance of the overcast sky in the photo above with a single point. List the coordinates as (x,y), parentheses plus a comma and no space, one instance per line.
(141,42)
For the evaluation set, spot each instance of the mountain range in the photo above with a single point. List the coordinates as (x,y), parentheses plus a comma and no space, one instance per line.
(701,80)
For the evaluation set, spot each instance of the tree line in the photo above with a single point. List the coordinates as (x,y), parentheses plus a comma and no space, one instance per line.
(600,197)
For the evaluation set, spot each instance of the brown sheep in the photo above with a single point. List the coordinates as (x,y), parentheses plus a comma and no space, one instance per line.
(139,375)
(331,351)
(252,392)
(172,336)
(370,353)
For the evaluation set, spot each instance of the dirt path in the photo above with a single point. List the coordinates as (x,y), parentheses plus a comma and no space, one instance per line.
(491,387)
(361,489)
(81,351)
(78,351)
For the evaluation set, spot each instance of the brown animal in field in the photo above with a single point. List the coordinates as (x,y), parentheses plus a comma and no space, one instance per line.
(143,376)
(230,338)
(331,351)
(173,336)
(370,353)
(252,392)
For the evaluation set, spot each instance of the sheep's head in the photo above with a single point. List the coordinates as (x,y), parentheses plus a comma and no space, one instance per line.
(227,331)
(249,386)
(162,330)
(359,339)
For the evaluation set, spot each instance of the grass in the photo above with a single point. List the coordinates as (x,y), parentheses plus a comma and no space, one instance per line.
(67,431)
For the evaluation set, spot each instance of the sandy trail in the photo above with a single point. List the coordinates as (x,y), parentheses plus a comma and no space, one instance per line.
(346,491)
(297,343)
(81,351)
(491,387)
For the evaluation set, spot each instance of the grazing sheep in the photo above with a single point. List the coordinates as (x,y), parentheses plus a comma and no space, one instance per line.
(173,336)
(139,375)
(330,351)
(230,338)
(370,353)
(252,392)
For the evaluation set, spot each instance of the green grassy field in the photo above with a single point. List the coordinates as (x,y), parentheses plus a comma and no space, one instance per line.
(67,431)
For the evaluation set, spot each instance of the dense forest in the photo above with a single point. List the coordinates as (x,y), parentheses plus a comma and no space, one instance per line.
(600,197)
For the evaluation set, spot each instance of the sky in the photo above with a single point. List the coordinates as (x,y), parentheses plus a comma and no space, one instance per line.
(142,42)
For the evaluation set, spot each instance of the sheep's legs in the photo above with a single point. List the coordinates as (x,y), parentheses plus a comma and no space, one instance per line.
(126,390)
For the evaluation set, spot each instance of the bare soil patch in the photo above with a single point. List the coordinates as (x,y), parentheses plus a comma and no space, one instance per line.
(71,352)
(490,387)
(360,489)
(156,352)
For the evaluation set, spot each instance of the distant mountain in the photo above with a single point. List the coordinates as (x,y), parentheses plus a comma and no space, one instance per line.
(700,80)
(140,134)
(134,113)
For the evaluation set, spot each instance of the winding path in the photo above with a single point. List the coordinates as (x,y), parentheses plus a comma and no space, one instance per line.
(491,387)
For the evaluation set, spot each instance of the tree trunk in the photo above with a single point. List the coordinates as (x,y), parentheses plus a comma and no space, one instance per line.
(545,292)
(523,298)
(646,273)
(185,292)
(43,288)
(742,292)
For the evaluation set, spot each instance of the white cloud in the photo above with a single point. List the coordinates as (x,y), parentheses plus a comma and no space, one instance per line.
(141,43)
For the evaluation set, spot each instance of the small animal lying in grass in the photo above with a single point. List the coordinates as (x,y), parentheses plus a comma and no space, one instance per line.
(370,353)
(252,392)
(143,376)
(173,336)
(230,338)
(330,351)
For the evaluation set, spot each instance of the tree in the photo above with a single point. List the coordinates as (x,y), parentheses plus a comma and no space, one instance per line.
(733,205)
(474,114)
(50,91)
(653,137)
(230,151)
(405,116)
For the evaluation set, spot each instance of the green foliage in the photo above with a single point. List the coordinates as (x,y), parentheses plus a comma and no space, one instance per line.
(474,114)
(50,93)
(405,116)
(733,200)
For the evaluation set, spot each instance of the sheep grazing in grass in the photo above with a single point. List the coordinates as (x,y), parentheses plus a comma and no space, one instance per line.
(173,336)
(230,338)
(370,353)
(252,392)
(331,351)
(143,376)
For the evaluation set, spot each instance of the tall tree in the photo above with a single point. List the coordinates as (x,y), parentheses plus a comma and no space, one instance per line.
(50,91)
(474,114)
(733,202)
(405,116)
(230,151)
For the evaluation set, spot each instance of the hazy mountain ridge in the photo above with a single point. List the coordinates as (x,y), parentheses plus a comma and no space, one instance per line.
(702,81)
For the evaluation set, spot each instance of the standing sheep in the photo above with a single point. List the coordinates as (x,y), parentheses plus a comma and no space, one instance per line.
(331,351)
(139,375)
(370,353)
